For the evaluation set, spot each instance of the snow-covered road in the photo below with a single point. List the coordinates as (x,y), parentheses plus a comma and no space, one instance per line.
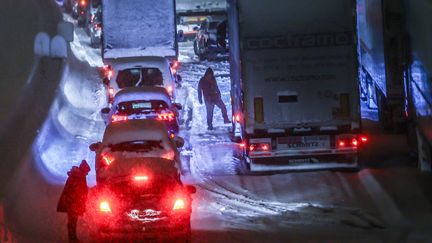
(389,201)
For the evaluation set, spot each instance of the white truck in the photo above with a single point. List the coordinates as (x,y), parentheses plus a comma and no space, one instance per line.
(381,36)
(418,73)
(295,88)
(138,43)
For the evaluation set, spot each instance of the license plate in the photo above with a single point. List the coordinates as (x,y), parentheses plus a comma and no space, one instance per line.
(304,142)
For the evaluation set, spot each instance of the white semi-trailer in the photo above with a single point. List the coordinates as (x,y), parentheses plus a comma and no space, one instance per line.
(134,28)
(381,36)
(138,44)
(295,88)
(419,77)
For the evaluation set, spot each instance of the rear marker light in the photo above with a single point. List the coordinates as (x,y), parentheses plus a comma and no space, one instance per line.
(104,207)
(179,204)
(172,135)
(141,178)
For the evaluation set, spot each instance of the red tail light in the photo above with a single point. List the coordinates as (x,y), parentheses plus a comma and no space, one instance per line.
(172,135)
(364,139)
(83,3)
(354,142)
(107,160)
(166,116)
(175,64)
(242,144)
(263,147)
(169,89)
(341,143)
(117,118)
(104,207)
(179,204)
(237,118)
(141,178)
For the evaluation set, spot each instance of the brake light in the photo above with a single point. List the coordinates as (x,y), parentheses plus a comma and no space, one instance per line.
(141,178)
(104,207)
(242,144)
(354,142)
(237,118)
(111,91)
(179,204)
(175,64)
(166,116)
(263,147)
(117,118)
(83,3)
(364,139)
(169,89)
(341,143)
(106,160)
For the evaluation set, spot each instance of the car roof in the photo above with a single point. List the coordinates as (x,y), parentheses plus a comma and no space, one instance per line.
(135,130)
(142,93)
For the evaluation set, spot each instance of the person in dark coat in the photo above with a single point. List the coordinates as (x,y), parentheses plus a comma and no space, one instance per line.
(74,196)
(208,88)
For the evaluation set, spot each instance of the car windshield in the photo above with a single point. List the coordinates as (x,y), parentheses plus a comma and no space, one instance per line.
(137,146)
(141,107)
(136,77)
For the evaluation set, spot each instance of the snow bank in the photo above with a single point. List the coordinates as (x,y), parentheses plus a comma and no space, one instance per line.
(139,28)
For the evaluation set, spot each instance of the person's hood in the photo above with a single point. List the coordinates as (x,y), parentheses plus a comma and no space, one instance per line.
(75,171)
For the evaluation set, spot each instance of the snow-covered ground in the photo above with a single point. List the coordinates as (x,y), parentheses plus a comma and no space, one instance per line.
(389,201)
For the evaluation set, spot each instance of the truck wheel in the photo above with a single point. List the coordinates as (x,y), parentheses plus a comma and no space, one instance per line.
(424,153)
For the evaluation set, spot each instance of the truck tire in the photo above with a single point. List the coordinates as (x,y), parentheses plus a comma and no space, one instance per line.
(424,153)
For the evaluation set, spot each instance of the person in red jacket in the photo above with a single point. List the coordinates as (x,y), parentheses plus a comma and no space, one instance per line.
(208,88)
(74,196)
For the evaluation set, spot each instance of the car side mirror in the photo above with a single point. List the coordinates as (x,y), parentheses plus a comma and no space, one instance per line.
(178,106)
(195,28)
(190,189)
(179,142)
(106,81)
(95,146)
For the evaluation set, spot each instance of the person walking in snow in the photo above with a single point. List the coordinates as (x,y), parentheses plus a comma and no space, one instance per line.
(208,88)
(74,196)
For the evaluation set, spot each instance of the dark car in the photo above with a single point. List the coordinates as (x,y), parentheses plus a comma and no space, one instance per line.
(211,38)
(95,27)
(80,11)
(146,205)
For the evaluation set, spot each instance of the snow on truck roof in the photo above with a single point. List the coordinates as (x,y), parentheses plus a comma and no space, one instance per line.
(142,61)
(142,93)
(135,130)
(139,28)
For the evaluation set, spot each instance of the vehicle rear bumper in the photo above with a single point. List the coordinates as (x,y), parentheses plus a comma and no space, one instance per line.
(139,231)
(305,160)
